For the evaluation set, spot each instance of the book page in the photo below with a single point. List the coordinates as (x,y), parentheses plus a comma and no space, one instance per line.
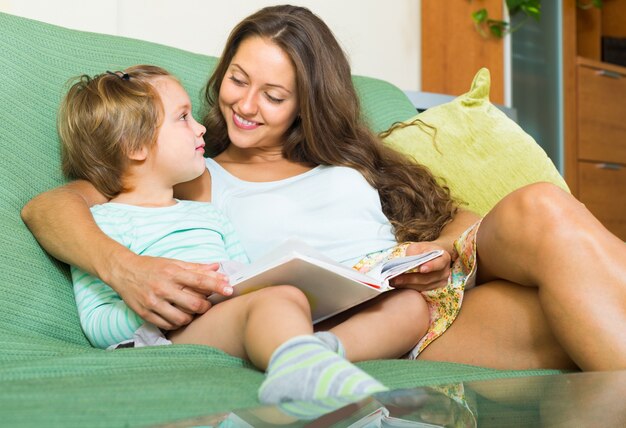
(296,249)
(391,268)
(330,287)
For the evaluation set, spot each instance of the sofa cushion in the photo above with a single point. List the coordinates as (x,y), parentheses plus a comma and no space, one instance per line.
(474,148)
(383,104)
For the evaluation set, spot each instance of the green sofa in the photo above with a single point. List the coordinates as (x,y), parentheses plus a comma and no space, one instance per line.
(49,373)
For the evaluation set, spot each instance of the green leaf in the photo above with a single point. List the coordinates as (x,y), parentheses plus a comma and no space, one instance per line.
(497,22)
(597,3)
(496,30)
(480,16)
(532,11)
(513,5)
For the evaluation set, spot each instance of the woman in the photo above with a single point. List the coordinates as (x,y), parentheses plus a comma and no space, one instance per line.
(281,103)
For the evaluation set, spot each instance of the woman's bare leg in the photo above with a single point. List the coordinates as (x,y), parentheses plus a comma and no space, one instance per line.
(540,236)
(501,325)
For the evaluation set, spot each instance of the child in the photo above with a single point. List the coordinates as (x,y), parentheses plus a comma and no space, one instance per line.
(132,135)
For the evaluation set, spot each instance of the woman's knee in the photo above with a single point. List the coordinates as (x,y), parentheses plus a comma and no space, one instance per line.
(543,201)
(534,211)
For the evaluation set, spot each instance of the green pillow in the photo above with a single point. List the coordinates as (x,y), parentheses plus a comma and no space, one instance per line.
(474,148)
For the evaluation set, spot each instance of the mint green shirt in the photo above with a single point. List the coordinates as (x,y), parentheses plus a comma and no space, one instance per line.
(189,231)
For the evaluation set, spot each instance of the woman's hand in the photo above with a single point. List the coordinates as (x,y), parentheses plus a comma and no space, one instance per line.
(165,292)
(433,274)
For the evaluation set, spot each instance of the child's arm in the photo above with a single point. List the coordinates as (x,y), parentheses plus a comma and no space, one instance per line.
(106,320)
(61,221)
(234,247)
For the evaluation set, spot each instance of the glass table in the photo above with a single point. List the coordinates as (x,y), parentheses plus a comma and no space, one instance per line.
(591,399)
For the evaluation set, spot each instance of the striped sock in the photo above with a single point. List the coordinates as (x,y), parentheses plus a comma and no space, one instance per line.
(304,369)
(332,342)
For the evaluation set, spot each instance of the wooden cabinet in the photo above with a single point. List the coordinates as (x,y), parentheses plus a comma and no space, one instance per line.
(601,92)
(595,112)
(602,188)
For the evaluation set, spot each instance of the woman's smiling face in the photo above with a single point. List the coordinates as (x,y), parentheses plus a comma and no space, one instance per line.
(258,96)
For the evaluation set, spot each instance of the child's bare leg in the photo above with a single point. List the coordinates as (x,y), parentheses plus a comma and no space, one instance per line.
(272,328)
(387,327)
(541,236)
(251,326)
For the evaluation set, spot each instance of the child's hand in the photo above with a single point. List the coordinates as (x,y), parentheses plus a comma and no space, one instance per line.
(165,292)
(431,275)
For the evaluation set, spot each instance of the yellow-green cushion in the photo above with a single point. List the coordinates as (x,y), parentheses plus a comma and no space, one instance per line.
(476,150)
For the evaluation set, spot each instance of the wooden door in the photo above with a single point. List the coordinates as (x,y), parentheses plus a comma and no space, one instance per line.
(453,51)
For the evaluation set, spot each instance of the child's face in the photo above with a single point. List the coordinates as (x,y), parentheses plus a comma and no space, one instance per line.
(178,154)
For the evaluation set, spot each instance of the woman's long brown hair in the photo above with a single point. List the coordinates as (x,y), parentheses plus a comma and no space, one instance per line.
(330,129)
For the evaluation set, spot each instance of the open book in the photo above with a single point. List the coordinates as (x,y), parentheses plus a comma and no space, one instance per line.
(330,287)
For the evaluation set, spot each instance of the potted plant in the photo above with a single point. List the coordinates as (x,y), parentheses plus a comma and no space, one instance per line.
(519,11)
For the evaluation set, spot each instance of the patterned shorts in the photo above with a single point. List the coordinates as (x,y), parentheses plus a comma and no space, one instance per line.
(443,303)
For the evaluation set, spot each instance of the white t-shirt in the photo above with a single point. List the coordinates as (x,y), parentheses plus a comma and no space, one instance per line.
(334,209)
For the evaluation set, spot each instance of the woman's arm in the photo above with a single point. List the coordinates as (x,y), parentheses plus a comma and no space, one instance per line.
(462,220)
(61,221)
(434,274)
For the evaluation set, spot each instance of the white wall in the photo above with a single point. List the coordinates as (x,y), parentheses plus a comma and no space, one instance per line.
(380,37)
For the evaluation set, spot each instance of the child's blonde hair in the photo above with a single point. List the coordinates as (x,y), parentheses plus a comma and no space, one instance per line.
(105,118)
